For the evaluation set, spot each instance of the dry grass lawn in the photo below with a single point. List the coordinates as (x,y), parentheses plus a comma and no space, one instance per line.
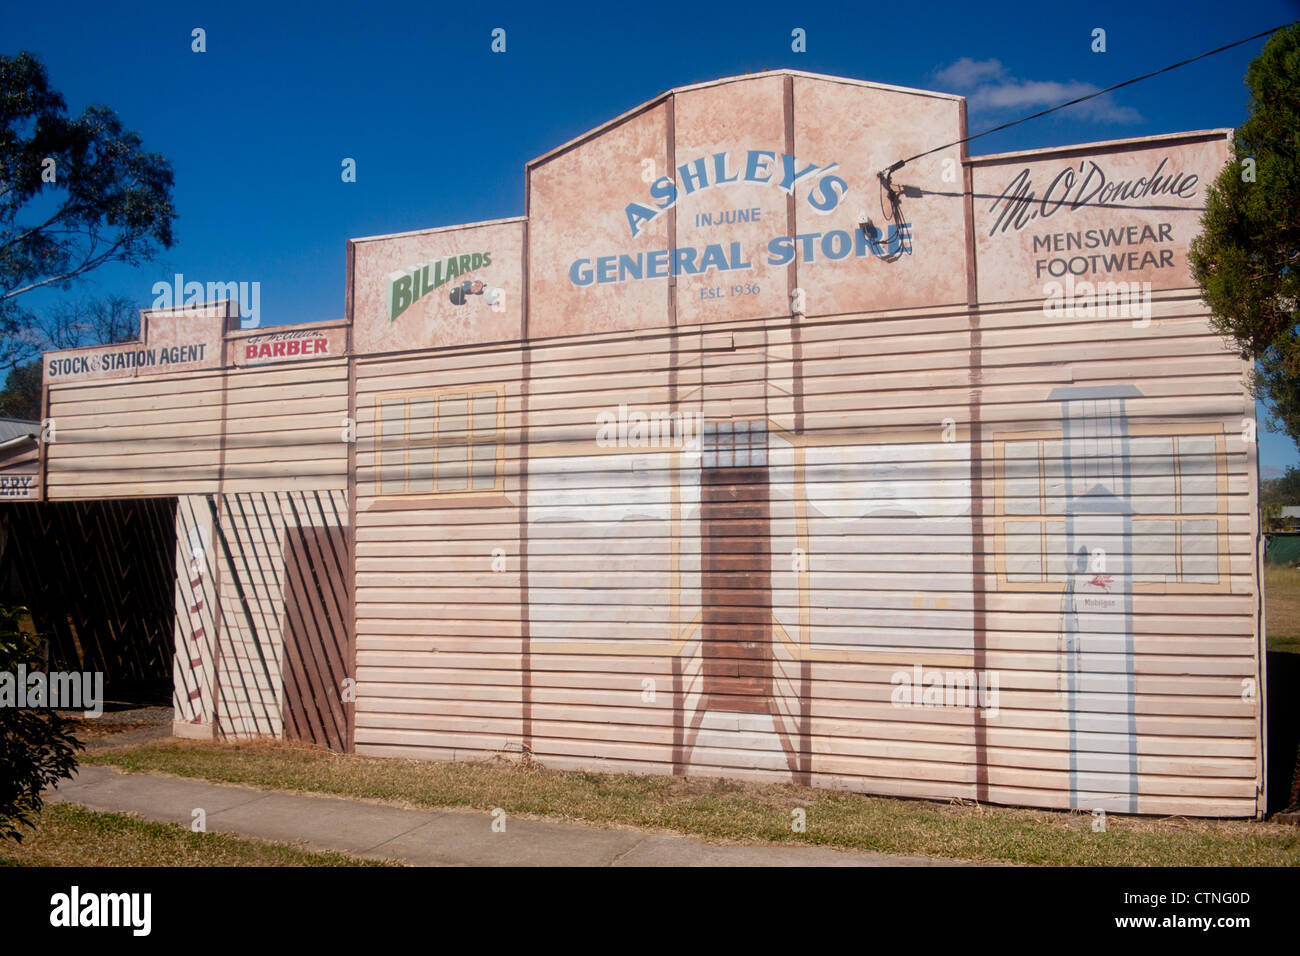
(1282,607)
(727,811)
(67,835)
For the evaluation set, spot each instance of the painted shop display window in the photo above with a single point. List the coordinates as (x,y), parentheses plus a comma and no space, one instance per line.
(449,441)
(1176,497)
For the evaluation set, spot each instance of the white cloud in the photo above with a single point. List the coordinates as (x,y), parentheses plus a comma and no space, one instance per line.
(990,88)
(966,73)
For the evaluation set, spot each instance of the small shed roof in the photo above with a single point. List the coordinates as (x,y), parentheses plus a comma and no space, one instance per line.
(11,428)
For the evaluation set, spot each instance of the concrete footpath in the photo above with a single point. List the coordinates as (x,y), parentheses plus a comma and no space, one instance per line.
(421,837)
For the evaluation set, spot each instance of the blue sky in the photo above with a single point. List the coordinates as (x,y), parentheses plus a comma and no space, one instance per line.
(440,127)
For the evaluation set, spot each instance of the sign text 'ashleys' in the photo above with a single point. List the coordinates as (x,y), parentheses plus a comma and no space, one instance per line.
(759,168)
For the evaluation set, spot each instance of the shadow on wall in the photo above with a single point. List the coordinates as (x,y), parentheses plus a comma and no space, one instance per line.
(1282,789)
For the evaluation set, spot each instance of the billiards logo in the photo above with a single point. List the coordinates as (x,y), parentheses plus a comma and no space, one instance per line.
(408,286)
(459,294)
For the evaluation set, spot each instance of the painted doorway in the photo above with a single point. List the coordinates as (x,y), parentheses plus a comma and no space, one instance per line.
(736,567)
(317,637)
(1097,625)
(737,722)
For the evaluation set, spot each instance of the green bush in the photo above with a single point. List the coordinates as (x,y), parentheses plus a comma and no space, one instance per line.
(36,744)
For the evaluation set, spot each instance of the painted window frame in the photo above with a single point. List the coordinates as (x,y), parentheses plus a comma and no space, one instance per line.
(1220,515)
(471,437)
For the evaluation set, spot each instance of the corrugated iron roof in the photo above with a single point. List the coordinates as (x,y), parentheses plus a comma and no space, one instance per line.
(11,428)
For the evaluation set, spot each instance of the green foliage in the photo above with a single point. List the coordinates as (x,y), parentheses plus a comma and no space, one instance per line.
(21,397)
(37,748)
(1285,489)
(1270,513)
(1247,259)
(72,323)
(75,193)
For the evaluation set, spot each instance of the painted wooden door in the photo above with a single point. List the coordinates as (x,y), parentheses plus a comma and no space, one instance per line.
(317,637)
(736,567)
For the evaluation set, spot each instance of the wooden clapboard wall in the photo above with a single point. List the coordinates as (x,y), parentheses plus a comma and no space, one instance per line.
(440,664)
(196,614)
(1195,653)
(634,594)
(247,532)
(263,639)
(890,529)
(208,432)
(256,459)
(1051,522)
(286,428)
(124,438)
(265,597)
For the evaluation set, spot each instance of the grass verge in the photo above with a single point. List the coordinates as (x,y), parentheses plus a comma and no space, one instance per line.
(727,810)
(68,835)
(1282,607)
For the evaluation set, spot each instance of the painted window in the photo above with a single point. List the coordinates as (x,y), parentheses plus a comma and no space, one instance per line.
(734,444)
(1177,493)
(441,442)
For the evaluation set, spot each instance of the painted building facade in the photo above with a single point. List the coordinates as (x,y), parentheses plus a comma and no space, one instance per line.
(730,457)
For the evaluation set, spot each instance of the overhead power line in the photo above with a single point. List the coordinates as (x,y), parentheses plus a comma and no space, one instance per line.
(886,173)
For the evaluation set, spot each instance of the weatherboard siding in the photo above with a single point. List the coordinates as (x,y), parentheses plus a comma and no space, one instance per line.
(252,451)
(196,622)
(255,528)
(231,614)
(285,427)
(438,647)
(141,437)
(237,430)
(880,503)
(1195,654)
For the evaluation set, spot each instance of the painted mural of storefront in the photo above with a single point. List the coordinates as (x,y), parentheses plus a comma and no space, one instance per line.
(720,461)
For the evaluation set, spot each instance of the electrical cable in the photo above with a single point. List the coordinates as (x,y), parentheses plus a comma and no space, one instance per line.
(885,174)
